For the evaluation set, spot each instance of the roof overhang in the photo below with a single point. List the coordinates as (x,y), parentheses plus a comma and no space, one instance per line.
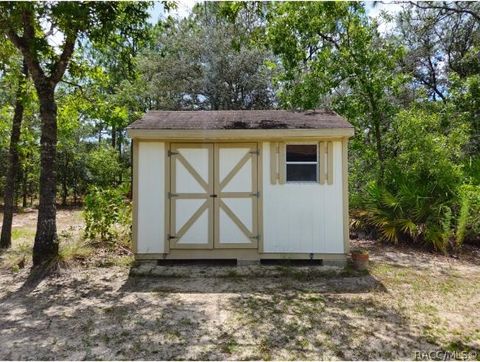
(247,134)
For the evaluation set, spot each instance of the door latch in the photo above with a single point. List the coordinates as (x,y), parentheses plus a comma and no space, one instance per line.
(214,195)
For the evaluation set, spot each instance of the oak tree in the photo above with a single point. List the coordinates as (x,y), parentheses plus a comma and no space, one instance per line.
(35,28)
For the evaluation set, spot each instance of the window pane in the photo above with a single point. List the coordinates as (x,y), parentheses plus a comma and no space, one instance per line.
(301,172)
(298,153)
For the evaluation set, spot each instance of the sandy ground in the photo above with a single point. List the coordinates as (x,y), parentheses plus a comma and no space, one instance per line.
(408,302)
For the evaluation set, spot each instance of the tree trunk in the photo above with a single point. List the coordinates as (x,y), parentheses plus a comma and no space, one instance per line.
(24,187)
(45,249)
(65,182)
(119,144)
(13,167)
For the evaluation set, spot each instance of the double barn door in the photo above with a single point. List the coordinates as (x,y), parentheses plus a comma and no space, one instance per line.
(213,196)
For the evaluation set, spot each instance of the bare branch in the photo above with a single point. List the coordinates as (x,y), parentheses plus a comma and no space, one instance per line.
(445,8)
(80,88)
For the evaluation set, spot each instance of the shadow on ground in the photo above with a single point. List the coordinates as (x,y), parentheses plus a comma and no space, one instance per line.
(254,279)
(290,313)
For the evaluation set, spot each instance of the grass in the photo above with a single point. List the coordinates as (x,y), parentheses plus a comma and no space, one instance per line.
(74,250)
(71,248)
(21,234)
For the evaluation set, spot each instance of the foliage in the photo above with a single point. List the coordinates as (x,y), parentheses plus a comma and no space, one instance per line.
(205,62)
(443,44)
(334,56)
(418,199)
(427,150)
(107,214)
(409,214)
(103,166)
(468,226)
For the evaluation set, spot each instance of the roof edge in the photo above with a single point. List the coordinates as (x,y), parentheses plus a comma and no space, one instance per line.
(257,134)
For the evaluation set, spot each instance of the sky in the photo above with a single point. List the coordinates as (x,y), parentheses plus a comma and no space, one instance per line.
(184,7)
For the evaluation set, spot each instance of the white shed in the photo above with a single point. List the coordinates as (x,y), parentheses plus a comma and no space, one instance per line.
(245,185)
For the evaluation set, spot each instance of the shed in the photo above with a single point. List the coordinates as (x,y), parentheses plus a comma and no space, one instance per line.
(246,185)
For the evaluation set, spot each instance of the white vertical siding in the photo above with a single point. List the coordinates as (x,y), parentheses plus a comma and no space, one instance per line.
(303,217)
(151,197)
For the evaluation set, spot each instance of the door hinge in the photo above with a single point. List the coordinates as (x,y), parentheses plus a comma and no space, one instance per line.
(256,152)
(172,195)
(172,153)
(255,194)
(170,237)
(214,195)
(256,237)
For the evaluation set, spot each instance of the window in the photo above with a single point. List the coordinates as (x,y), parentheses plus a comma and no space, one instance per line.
(302,163)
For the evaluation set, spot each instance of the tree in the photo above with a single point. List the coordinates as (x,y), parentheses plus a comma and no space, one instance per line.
(26,26)
(207,62)
(333,55)
(13,160)
(442,41)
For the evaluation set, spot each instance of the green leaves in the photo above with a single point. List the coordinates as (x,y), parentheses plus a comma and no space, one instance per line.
(107,211)
(207,62)
(420,196)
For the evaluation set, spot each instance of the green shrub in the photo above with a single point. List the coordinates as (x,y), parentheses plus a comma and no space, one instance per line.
(107,215)
(417,201)
(410,214)
(103,166)
(468,224)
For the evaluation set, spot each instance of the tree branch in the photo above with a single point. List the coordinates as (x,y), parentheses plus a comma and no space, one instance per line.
(433,88)
(58,70)
(24,45)
(446,8)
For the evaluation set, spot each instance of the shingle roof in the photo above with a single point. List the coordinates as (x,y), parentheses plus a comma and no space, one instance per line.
(245,119)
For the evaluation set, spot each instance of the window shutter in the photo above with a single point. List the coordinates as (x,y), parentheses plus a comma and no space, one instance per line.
(330,163)
(274,176)
(325,162)
(321,163)
(282,162)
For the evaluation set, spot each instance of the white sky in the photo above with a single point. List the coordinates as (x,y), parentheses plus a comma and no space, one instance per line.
(374,10)
(184,7)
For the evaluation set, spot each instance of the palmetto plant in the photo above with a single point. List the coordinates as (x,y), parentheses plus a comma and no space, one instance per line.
(408,214)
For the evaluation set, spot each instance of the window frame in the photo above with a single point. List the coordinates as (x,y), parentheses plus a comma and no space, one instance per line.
(316,163)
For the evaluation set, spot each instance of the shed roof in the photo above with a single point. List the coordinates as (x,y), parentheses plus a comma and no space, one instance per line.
(242,119)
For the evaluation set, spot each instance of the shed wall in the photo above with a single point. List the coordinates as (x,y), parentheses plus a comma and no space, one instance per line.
(296,217)
(151,198)
(303,217)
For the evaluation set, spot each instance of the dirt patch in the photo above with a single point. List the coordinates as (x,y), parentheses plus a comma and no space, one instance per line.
(105,313)
(409,301)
